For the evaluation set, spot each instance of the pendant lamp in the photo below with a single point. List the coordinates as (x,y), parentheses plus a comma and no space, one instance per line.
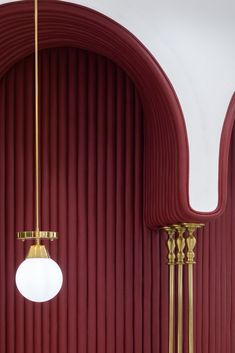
(38,278)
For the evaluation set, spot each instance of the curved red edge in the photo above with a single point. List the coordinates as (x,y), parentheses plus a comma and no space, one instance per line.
(166,146)
(225,142)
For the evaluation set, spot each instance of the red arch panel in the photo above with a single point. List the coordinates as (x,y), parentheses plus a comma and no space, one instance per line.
(166,149)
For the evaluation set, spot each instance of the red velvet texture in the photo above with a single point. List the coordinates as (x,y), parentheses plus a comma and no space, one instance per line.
(115,292)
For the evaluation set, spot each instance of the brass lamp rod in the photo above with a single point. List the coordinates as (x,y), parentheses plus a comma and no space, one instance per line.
(171,263)
(36,118)
(36,234)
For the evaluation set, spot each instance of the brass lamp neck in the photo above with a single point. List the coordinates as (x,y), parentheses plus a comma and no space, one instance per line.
(37,251)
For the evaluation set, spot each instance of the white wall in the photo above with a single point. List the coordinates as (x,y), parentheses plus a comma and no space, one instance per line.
(193,41)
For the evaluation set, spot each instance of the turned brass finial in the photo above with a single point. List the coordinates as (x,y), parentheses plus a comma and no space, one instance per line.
(170,244)
(180,242)
(191,240)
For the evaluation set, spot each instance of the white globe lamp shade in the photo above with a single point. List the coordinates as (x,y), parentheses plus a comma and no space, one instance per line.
(39,279)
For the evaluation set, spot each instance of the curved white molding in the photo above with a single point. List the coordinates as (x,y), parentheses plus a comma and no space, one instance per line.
(193,41)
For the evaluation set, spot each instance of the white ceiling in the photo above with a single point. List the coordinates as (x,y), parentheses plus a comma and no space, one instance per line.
(193,41)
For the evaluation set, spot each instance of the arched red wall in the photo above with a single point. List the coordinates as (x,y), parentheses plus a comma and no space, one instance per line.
(114,297)
(166,150)
(91,149)
(115,292)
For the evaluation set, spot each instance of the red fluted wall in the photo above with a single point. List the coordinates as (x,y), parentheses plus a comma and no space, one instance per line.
(114,296)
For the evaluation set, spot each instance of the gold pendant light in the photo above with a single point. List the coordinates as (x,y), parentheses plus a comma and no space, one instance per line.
(38,278)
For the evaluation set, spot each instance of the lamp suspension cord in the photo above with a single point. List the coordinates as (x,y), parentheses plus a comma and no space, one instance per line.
(36,118)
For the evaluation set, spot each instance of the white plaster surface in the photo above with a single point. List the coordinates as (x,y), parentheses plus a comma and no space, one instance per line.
(194,42)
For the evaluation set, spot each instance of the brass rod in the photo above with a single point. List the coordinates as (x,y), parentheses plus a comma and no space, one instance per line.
(180,310)
(37,241)
(36,119)
(180,242)
(191,243)
(171,262)
(171,307)
(190,308)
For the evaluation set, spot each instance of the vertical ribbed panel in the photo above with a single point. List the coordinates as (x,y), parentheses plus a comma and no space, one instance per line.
(115,293)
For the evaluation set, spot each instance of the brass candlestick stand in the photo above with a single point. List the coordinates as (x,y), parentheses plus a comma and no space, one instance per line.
(180,243)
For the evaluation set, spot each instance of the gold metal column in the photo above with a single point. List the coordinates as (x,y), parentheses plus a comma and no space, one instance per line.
(171,262)
(191,243)
(180,242)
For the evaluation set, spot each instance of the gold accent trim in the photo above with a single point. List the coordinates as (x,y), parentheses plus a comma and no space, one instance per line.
(171,262)
(37,235)
(37,252)
(191,243)
(180,242)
